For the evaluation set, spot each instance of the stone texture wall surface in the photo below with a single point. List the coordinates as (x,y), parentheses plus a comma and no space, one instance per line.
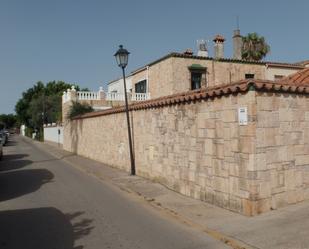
(172,75)
(282,149)
(197,149)
(200,150)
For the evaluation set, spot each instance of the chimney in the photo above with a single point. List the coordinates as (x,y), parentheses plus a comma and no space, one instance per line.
(219,46)
(237,45)
(202,48)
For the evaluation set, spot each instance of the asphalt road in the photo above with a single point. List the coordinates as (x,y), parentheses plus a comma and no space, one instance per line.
(46,203)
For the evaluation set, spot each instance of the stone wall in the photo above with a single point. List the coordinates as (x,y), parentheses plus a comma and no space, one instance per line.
(282,149)
(199,149)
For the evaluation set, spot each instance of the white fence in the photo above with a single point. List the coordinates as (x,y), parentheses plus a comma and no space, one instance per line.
(53,134)
(140,96)
(72,94)
(132,97)
(88,95)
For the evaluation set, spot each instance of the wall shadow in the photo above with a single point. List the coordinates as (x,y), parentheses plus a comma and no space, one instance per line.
(17,183)
(42,228)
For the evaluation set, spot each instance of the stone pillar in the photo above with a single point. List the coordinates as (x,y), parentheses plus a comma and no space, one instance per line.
(67,98)
(237,45)
(73,94)
(219,46)
(101,93)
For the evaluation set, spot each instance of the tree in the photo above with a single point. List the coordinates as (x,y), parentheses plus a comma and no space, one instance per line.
(254,47)
(41,104)
(78,108)
(8,121)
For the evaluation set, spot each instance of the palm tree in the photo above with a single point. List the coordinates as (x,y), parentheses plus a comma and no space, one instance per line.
(254,47)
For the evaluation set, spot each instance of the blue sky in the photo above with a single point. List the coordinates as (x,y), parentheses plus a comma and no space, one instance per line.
(74,40)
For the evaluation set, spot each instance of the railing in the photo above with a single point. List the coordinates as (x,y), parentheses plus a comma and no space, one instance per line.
(72,94)
(134,97)
(88,95)
(114,96)
(140,96)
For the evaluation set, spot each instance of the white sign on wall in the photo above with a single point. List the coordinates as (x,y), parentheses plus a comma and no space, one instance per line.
(242,116)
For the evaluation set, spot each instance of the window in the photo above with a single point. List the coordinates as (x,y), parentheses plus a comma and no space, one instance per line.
(198,76)
(196,79)
(249,76)
(141,87)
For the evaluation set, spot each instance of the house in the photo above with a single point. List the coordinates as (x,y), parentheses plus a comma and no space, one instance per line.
(242,146)
(179,72)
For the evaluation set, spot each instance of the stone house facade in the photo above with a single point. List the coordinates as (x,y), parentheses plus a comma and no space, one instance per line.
(243,146)
(174,73)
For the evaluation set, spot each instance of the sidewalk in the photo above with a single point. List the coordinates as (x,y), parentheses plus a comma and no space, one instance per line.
(286,228)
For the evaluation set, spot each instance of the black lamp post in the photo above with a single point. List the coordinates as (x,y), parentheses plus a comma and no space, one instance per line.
(122,56)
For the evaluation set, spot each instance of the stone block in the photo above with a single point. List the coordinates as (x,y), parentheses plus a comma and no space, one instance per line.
(285,115)
(219,150)
(235,204)
(229,115)
(264,190)
(234,130)
(268,119)
(221,184)
(247,144)
(221,199)
(260,161)
(290,181)
(209,147)
(301,160)
(247,130)
(234,145)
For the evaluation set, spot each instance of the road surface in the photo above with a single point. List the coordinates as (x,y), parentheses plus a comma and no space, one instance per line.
(46,203)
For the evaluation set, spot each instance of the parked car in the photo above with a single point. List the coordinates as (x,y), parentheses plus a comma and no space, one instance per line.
(7,133)
(1,148)
(4,137)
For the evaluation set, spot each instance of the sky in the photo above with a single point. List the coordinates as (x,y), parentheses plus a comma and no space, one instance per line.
(75,40)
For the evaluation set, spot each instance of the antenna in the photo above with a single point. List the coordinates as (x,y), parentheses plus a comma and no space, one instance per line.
(237,21)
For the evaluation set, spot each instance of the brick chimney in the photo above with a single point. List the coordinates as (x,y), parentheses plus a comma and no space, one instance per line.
(237,44)
(219,46)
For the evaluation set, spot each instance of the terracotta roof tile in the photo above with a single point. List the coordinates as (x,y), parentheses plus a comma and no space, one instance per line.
(212,92)
(299,78)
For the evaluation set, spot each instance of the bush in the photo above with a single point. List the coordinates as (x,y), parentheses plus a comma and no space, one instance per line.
(78,108)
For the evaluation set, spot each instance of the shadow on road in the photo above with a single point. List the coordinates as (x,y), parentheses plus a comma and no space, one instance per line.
(17,183)
(42,228)
(13,161)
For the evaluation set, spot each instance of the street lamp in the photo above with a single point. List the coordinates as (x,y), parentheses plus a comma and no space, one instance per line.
(122,56)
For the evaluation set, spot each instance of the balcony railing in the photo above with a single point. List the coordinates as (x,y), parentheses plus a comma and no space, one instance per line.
(88,95)
(72,94)
(131,96)
(140,96)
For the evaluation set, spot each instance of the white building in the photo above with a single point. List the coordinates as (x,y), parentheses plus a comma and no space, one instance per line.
(116,86)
